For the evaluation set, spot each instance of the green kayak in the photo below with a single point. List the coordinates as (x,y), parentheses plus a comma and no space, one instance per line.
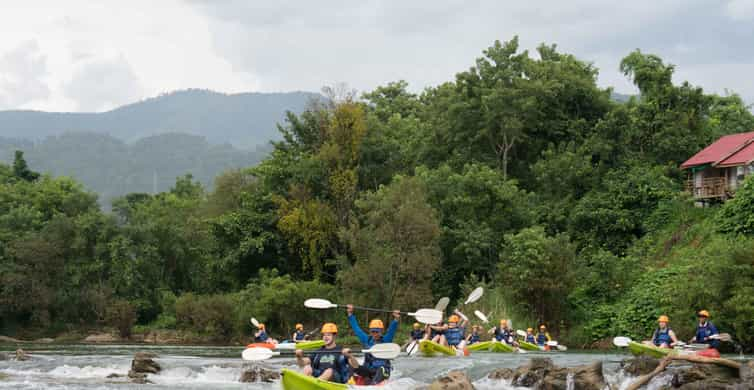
(293,380)
(500,347)
(481,346)
(302,345)
(528,346)
(491,346)
(649,350)
(429,348)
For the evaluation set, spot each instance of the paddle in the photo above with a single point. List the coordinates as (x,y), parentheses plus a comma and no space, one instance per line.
(425,316)
(621,341)
(521,333)
(442,304)
(481,316)
(721,337)
(461,315)
(254,322)
(380,351)
(474,296)
(412,347)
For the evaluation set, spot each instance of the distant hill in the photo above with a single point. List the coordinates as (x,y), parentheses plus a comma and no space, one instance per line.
(114,168)
(244,120)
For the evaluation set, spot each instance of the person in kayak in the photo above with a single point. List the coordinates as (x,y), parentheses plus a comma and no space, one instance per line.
(417,334)
(435,332)
(454,333)
(501,333)
(474,337)
(299,335)
(663,336)
(530,336)
(261,335)
(543,337)
(330,362)
(374,370)
(704,330)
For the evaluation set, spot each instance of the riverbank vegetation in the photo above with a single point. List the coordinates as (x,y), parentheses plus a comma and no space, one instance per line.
(521,174)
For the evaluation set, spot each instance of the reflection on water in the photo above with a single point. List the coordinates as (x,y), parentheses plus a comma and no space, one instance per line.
(88,367)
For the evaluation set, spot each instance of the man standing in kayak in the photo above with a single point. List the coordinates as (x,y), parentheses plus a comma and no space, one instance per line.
(663,337)
(329,362)
(704,330)
(373,370)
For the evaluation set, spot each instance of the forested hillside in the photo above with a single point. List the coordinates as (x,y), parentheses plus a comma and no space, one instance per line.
(520,174)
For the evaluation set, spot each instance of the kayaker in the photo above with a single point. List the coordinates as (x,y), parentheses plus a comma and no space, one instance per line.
(663,336)
(374,370)
(299,335)
(705,329)
(543,337)
(530,336)
(328,363)
(261,335)
(454,332)
(435,332)
(417,334)
(474,337)
(502,333)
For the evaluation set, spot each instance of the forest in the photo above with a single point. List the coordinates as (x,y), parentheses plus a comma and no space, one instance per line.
(521,175)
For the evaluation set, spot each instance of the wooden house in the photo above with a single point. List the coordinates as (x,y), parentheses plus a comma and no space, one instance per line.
(715,172)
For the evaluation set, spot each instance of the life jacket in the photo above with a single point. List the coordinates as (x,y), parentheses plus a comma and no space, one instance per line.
(330,358)
(299,335)
(262,337)
(474,338)
(417,334)
(502,335)
(702,332)
(530,338)
(454,336)
(433,332)
(542,338)
(661,337)
(372,362)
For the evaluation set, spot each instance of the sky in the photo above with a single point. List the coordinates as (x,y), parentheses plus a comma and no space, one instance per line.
(96,55)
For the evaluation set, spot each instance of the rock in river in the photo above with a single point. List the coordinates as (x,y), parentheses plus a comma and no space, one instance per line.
(454,380)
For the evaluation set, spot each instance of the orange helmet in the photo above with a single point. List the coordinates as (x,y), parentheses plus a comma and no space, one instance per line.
(503,322)
(417,325)
(260,326)
(454,318)
(542,327)
(299,326)
(329,328)
(530,330)
(376,324)
(703,313)
(663,318)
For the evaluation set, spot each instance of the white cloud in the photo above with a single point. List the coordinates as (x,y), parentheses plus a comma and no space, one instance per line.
(740,9)
(21,73)
(103,84)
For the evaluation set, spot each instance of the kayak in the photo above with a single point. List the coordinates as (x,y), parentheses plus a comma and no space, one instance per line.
(302,345)
(648,350)
(294,380)
(262,345)
(430,348)
(500,347)
(528,346)
(481,346)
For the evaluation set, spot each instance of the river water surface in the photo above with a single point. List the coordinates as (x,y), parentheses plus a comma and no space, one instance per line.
(79,367)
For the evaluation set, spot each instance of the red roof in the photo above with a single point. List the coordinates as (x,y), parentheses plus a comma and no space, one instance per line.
(730,150)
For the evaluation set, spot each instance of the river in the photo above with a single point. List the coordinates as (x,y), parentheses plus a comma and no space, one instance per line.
(79,367)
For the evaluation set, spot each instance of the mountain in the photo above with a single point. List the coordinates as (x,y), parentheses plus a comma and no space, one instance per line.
(113,168)
(244,120)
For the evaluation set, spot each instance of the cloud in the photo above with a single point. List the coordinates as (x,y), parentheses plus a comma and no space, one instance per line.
(740,9)
(103,84)
(21,75)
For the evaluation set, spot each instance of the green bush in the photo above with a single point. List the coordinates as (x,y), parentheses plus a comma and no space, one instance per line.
(121,315)
(210,315)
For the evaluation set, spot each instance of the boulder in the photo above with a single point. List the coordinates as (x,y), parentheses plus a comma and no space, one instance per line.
(501,374)
(3,356)
(555,378)
(640,365)
(454,380)
(102,338)
(21,355)
(143,364)
(114,375)
(533,373)
(588,377)
(256,373)
(705,376)
(138,377)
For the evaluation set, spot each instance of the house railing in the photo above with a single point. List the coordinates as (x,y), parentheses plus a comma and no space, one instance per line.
(710,187)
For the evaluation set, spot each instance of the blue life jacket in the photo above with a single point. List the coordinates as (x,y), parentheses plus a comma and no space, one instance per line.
(474,338)
(262,337)
(454,336)
(530,338)
(542,339)
(331,358)
(502,335)
(300,335)
(702,332)
(662,337)
(417,334)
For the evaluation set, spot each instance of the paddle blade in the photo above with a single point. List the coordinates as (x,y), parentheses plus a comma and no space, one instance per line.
(316,303)
(621,341)
(384,350)
(481,316)
(552,343)
(254,322)
(427,316)
(442,304)
(561,347)
(461,315)
(521,333)
(721,337)
(474,296)
(257,354)
(412,348)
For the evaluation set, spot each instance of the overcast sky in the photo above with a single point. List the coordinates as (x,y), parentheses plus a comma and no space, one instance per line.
(95,55)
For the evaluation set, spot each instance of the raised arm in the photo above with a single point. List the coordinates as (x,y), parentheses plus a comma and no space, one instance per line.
(392,328)
(360,334)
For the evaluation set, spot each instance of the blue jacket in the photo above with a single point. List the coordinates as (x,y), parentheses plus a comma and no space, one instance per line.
(531,339)
(368,342)
(300,335)
(661,337)
(702,332)
(454,336)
